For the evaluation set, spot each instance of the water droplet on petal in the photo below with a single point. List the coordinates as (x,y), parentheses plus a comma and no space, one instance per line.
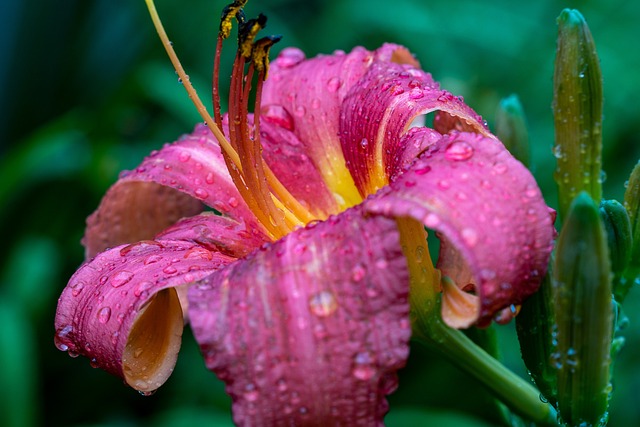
(423,170)
(184,156)
(358,273)
(77,287)
(431,220)
(277,114)
(416,93)
(233,202)
(201,193)
(170,270)
(333,84)
(364,143)
(250,393)
(289,57)
(470,236)
(323,303)
(459,151)
(499,168)
(104,314)
(121,278)
(364,368)
(300,111)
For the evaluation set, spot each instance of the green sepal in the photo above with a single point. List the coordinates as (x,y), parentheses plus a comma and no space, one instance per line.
(535,326)
(511,128)
(582,287)
(577,111)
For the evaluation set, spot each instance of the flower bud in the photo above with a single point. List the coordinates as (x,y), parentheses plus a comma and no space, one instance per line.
(584,318)
(620,240)
(511,128)
(536,330)
(632,204)
(577,111)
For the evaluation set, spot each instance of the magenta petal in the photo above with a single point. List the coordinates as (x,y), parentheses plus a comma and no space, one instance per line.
(379,110)
(497,229)
(121,309)
(311,329)
(217,233)
(194,165)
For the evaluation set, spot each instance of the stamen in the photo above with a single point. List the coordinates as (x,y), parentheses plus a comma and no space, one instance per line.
(276,209)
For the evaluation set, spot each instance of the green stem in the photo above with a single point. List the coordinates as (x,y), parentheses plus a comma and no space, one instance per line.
(515,392)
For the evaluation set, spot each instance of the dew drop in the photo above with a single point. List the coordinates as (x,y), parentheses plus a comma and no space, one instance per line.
(416,93)
(250,393)
(201,193)
(277,114)
(170,269)
(198,252)
(233,202)
(104,314)
(444,184)
(499,168)
(431,220)
(470,236)
(152,259)
(333,84)
(77,287)
(364,368)
(289,57)
(209,178)
(364,143)
(358,273)
(459,151)
(121,278)
(396,90)
(143,288)
(300,111)
(422,170)
(184,156)
(323,303)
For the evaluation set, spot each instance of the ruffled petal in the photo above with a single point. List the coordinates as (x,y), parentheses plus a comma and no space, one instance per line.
(311,329)
(216,233)
(496,230)
(137,208)
(304,96)
(122,311)
(378,111)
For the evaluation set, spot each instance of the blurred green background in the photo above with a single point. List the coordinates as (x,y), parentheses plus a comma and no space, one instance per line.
(86,91)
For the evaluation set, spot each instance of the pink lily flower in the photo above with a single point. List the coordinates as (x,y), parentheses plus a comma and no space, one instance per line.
(297,288)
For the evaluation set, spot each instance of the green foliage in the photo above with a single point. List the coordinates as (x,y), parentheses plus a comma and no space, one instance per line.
(86,91)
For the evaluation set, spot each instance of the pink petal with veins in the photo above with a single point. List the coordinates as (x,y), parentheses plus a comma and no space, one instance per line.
(137,208)
(378,111)
(497,229)
(310,329)
(121,309)
(216,233)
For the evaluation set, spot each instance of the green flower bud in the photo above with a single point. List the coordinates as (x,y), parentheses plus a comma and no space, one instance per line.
(577,111)
(511,128)
(536,328)
(583,309)
(618,229)
(632,204)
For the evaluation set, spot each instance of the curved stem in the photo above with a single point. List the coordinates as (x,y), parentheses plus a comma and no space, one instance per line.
(519,395)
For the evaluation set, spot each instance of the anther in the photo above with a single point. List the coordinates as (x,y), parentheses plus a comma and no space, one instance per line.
(231,11)
(247,33)
(260,53)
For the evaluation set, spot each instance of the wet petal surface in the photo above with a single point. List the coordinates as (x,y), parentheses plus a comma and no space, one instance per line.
(122,310)
(312,328)
(495,228)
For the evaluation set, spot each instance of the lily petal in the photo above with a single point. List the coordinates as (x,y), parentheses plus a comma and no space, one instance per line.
(498,246)
(378,111)
(310,329)
(216,233)
(137,208)
(121,309)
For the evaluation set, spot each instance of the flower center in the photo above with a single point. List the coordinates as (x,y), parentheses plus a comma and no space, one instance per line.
(272,204)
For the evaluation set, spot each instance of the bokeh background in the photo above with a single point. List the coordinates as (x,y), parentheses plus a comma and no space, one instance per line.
(86,91)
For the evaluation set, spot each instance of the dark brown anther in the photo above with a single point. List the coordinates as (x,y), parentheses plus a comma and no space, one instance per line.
(260,53)
(231,11)
(247,33)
